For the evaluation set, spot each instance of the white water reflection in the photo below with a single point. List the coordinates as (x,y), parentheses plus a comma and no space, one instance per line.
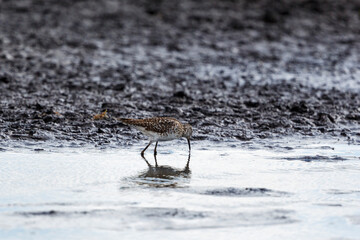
(221,191)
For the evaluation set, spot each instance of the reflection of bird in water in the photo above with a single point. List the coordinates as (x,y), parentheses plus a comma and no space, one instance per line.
(163,176)
(160,129)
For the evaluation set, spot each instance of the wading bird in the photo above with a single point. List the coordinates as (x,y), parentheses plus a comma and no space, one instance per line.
(160,129)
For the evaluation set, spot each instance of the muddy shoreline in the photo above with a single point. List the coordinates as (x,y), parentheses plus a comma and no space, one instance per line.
(239,70)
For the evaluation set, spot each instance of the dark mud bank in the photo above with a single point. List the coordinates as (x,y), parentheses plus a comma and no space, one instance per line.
(233,69)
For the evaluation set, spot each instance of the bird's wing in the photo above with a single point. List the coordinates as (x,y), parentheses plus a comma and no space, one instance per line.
(159,125)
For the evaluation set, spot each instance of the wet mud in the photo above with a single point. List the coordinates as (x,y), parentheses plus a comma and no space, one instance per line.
(233,69)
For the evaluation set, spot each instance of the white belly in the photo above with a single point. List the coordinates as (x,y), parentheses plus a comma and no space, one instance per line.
(161,137)
(166,137)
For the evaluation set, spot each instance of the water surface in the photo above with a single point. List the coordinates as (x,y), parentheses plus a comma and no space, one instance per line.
(294,190)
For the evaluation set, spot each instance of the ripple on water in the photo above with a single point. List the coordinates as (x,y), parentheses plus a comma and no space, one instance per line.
(245,192)
(341,192)
(157,218)
(57,213)
(214,219)
(317,158)
(171,213)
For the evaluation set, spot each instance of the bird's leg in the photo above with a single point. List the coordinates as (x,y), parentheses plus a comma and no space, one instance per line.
(156,164)
(189,145)
(143,151)
(155,161)
(155,152)
(187,164)
(146,161)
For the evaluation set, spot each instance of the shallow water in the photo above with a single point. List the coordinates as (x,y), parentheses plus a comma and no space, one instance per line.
(298,190)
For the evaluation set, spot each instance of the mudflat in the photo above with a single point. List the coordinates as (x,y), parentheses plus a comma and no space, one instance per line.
(232,69)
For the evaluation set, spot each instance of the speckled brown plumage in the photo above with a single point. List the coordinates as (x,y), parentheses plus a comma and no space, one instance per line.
(160,129)
(159,125)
